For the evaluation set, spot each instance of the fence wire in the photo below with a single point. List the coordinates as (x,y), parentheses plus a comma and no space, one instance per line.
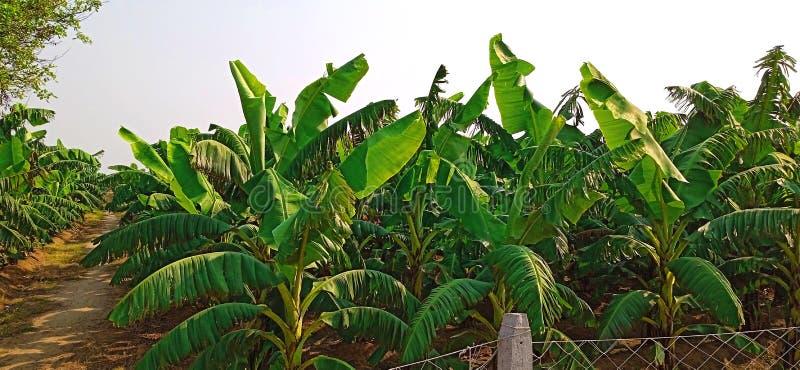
(746,350)
(751,350)
(475,357)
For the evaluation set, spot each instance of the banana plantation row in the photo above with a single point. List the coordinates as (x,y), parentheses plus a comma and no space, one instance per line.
(44,189)
(417,233)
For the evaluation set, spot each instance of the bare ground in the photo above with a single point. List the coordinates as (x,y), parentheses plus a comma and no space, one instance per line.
(55,311)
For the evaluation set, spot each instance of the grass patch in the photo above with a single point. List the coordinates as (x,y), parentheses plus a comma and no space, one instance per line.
(94,216)
(62,254)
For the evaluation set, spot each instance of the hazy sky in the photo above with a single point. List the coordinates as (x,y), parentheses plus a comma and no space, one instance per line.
(154,64)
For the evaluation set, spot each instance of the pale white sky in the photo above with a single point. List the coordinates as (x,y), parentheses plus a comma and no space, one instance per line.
(155,64)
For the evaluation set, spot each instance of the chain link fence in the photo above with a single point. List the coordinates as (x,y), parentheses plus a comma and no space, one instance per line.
(752,350)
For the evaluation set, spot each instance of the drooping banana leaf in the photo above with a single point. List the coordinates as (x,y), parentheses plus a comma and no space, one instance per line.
(275,198)
(710,287)
(530,281)
(444,304)
(219,274)
(369,323)
(196,333)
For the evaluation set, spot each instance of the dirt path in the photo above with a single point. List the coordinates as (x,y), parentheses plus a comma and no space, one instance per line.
(73,332)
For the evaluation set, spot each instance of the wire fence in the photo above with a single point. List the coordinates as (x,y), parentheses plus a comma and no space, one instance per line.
(751,350)
(475,357)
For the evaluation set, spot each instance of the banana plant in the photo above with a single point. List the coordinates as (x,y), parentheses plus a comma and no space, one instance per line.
(311,229)
(781,227)
(523,279)
(756,207)
(303,229)
(667,195)
(538,209)
(459,133)
(207,173)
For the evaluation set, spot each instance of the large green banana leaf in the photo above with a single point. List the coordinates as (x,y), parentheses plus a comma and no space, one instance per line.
(312,108)
(197,333)
(463,198)
(475,105)
(145,153)
(221,162)
(63,155)
(383,154)
(12,158)
(218,274)
(710,287)
(19,114)
(153,233)
(233,141)
(369,287)
(530,282)
(519,111)
(620,120)
(704,163)
(275,198)
(257,102)
(623,312)
(660,200)
(757,222)
(444,304)
(369,323)
(234,350)
(323,221)
(530,228)
(193,184)
(450,145)
(328,145)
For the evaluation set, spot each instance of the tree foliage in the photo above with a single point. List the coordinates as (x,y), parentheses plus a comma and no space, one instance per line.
(28,27)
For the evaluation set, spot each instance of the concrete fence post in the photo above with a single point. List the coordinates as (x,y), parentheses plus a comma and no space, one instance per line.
(514,347)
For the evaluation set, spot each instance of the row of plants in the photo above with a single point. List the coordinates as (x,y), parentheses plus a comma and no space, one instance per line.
(390,229)
(44,188)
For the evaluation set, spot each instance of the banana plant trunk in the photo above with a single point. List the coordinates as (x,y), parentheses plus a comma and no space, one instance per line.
(666,315)
(665,238)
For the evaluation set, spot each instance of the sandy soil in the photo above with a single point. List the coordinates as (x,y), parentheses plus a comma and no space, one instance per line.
(72,331)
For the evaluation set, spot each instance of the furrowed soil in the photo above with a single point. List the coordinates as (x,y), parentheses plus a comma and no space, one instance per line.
(53,311)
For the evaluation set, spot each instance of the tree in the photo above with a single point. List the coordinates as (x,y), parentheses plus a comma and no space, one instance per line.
(26,28)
